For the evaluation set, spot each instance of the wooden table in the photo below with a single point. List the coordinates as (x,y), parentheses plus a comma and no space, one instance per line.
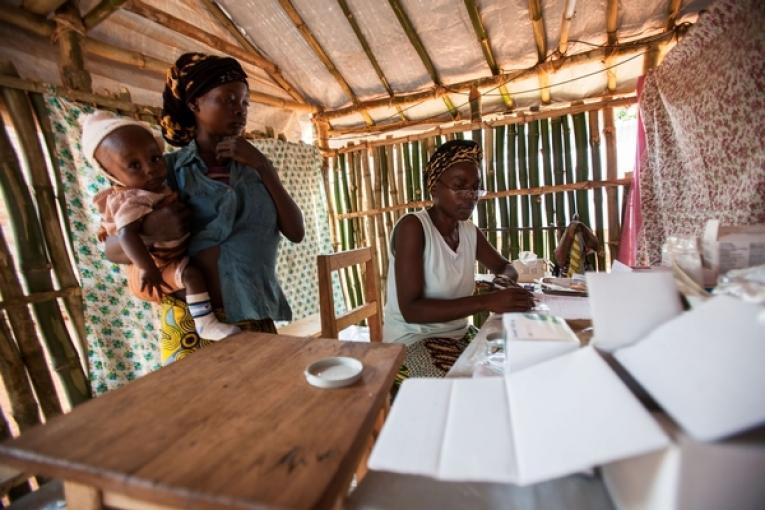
(235,426)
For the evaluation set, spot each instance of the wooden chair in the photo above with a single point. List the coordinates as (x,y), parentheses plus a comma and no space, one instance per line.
(371,310)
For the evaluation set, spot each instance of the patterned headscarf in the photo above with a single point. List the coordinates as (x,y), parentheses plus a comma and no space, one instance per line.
(193,75)
(449,154)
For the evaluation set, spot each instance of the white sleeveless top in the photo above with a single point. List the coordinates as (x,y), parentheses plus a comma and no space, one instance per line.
(448,275)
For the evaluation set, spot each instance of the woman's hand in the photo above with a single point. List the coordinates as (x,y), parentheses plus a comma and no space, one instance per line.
(513,299)
(239,149)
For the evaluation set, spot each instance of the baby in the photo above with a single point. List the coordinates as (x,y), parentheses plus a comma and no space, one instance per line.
(130,156)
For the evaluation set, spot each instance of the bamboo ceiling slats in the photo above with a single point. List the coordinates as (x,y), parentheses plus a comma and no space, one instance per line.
(483,40)
(368,51)
(311,40)
(564,62)
(411,33)
(101,12)
(540,40)
(612,12)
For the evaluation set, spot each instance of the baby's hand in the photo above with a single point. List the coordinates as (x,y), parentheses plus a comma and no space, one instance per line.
(151,281)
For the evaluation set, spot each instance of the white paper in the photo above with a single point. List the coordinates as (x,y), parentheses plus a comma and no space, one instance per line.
(530,342)
(566,307)
(561,416)
(627,306)
(618,267)
(705,368)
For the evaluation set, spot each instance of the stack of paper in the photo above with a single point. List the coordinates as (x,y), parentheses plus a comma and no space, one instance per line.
(531,338)
(559,417)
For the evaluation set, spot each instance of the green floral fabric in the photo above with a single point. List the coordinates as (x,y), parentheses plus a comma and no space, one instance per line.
(122,331)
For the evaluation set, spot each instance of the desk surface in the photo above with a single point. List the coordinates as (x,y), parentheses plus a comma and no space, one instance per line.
(235,426)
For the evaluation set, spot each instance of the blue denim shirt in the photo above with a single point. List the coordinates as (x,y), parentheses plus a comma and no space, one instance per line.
(240,218)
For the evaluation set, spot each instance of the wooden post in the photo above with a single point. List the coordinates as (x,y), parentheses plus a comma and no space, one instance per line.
(611,173)
(321,128)
(490,184)
(597,175)
(372,237)
(523,180)
(512,184)
(549,198)
(534,182)
(71,61)
(376,200)
(400,176)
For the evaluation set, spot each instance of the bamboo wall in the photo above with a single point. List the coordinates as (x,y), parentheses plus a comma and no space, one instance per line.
(41,312)
(539,174)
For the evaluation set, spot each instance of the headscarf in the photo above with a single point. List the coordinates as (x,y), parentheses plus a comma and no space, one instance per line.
(449,154)
(98,125)
(193,75)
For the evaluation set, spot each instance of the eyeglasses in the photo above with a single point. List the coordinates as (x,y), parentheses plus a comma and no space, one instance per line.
(467,193)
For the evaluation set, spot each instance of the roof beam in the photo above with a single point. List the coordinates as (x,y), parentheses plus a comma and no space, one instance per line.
(43,7)
(224,19)
(368,50)
(100,12)
(540,39)
(569,7)
(42,27)
(673,12)
(483,40)
(612,14)
(189,30)
(492,81)
(309,38)
(411,33)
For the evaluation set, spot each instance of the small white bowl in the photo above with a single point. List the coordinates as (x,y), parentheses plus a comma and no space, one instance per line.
(334,372)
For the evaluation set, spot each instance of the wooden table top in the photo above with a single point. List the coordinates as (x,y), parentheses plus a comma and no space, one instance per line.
(235,426)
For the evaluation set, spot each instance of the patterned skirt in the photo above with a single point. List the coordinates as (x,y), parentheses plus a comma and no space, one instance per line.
(178,337)
(432,357)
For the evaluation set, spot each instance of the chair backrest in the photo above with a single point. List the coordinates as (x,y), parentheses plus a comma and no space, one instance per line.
(371,309)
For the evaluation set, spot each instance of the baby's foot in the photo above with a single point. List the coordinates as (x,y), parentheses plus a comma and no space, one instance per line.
(210,328)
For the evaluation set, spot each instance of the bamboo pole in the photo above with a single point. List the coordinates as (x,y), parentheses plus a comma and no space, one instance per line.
(505,118)
(101,12)
(400,176)
(416,171)
(70,54)
(475,117)
(512,181)
(393,196)
(371,224)
(23,118)
(223,18)
(534,181)
(357,230)
(582,170)
(548,173)
(499,157)
(512,193)
(597,175)
(410,196)
(490,183)
(523,180)
(424,157)
(436,92)
(540,40)
(36,270)
(612,12)
(611,174)
(559,171)
(416,42)
(483,40)
(346,227)
(341,240)
(14,373)
(26,334)
(565,25)
(376,200)
(568,166)
(321,135)
(673,13)
(368,51)
(322,55)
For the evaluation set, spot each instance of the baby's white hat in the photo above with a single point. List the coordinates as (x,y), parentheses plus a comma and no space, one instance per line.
(98,125)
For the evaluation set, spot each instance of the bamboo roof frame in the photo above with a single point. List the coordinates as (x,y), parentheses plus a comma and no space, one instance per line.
(612,13)
(483,40)
(40,26)
(309,38)
(569,7)
(411,33)
(512,117)
(509,77)
(540,40)
(100,12)
(368,51)
(189,30)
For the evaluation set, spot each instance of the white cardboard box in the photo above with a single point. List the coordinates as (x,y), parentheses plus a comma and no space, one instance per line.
(533,337)
(559,417)
(691,475)
(732,247)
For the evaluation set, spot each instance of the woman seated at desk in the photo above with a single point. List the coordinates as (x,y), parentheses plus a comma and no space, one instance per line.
(432,267)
